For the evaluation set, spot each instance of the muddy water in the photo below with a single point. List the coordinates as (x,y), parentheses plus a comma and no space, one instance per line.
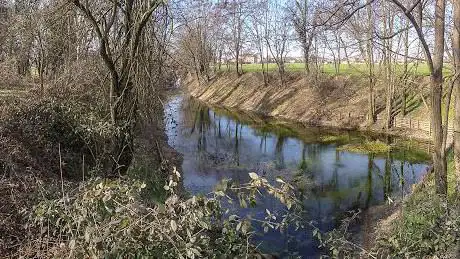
(217,144)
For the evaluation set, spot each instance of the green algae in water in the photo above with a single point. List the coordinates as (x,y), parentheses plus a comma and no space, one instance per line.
(367,147)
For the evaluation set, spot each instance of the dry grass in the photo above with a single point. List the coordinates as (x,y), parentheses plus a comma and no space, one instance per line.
(328,101)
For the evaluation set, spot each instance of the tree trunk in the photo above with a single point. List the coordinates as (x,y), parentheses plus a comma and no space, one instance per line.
(220,59)
(387,28)
(306,57)
(237,62)
(307,63)
(439,156)
(339,57)
(370,60)
(281,71)
(123,108)
(406,70)
(264,74)
(456,55)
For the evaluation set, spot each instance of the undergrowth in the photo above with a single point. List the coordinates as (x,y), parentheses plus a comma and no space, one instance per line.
(105,218)
(426,225)
(37,135)
(45,147)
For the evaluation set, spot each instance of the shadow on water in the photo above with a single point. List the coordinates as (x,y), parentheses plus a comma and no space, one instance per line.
(219,144)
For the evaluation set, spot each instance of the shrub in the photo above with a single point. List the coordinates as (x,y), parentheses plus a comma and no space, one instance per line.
(423,229)
(108,219)
(44,131)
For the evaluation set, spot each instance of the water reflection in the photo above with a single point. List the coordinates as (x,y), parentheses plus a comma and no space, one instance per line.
(218,144)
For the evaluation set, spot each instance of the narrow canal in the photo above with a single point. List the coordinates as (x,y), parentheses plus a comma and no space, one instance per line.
(217,144)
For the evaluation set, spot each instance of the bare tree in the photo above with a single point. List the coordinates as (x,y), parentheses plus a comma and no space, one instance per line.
(257,26)
(304,21)
(435,61)
(370,62)
(277,36)
(119,26)
(237,17)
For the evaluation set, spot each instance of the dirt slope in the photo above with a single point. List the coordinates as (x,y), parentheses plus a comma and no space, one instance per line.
(337,102)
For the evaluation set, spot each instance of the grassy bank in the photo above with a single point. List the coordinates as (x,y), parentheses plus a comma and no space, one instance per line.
(425,225)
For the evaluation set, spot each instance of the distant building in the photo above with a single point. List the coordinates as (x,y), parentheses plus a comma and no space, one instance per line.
(293,60)
(249,59)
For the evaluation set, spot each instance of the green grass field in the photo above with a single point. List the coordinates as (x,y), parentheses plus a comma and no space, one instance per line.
(345,69)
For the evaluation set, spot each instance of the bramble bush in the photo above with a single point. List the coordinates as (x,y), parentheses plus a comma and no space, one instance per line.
(107,218)
(42,132)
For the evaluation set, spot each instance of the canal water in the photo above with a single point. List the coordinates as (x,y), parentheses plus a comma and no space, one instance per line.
(218,144)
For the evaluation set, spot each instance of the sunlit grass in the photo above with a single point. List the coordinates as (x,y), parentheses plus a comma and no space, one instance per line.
(420,69)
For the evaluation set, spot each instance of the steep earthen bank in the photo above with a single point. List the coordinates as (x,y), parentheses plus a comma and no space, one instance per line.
(339,102)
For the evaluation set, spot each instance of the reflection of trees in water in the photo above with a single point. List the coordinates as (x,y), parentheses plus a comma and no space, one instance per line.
(401,177)
(370,167)
(219,135)
(311,163)
(203,123)
(236,149)
(263,143)
(206,124)
(392,177)
(279,156)
(334,183)
(335,172)
(303,161)
(387,183)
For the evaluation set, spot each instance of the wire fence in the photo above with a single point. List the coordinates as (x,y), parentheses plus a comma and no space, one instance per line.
(414,124)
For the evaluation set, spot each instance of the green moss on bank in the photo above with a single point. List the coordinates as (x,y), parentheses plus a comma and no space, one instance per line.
(367,147)
(336,139)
